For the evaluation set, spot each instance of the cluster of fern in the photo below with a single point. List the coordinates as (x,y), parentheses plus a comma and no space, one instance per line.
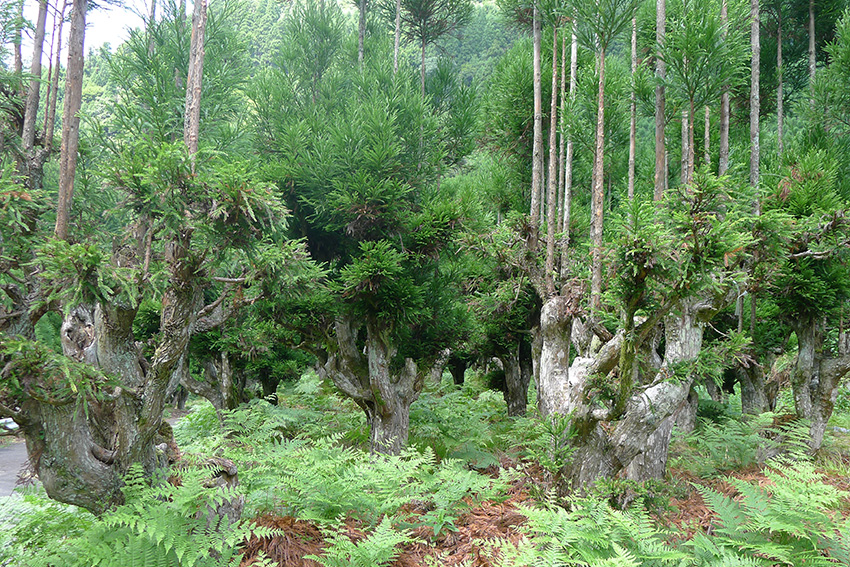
(791,521)
(159,524)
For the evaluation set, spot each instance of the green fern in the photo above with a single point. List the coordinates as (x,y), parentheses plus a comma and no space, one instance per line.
(377,550)
(791,521)
(590,533)
(158,525)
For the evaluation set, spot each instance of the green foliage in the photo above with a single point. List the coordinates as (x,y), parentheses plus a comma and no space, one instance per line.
(32,370)
(322,480)
(157,525)
(733,444)
(590,533)
(790,521)
(544,440)
(32,522)
(377,550)
(199,428)
(457,423)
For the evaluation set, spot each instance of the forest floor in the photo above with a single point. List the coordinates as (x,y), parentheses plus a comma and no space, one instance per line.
(489,521)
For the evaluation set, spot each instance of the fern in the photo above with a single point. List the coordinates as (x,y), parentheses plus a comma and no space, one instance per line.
(791,521)
(157,525)
(591,533)
(377,550)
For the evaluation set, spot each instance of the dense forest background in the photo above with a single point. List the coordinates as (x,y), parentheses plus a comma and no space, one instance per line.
(440,282)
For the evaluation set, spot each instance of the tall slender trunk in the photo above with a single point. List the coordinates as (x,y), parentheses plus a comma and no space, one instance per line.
(633,116)
(537,149)
(723,144)
(568,165)
(812,52)
(34,90)
(397,36)
(691,142)
(17,56)
(50,114)
(562,140)
(660,100)
(361,31)
(597,192)
(551,198)
(192,117)
(422,70)
(780,95)
(71,117)
(706,138)
(755,105)
(686,150)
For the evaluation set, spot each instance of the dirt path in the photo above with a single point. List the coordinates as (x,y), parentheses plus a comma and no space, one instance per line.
(13,457)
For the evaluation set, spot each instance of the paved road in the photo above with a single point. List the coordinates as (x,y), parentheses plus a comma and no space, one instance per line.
(13,456)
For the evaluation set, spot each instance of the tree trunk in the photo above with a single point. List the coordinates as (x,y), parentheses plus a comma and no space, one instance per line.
(382,393)
(457,368)
(50,114)
(629,436)
(812,52)
(397,36)
(517,380)
(537,149)
(660,119)
(597,193)
(686,151)
(753,392)
(562,142)
(192,117)
(633,116)
(71,118)
(723,144)
(361,31)
(17,44)
(31,109)
(568,166)
(755,105)
(706,138)
(815,379)
(551,197)
(780,103)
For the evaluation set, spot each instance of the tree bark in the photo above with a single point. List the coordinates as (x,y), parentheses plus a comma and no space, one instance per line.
(780,96)
(633,116)
(551,198)
(71,118)
(192,117)
(753,392)
(568,165)
(361,30)
(34,89)
(397,36)
(812,52)
(815,379)
(755,105)
(537,149)
(382,393)
(660,119)
(597,192)
(723,144)
(517,379)
(50,113)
